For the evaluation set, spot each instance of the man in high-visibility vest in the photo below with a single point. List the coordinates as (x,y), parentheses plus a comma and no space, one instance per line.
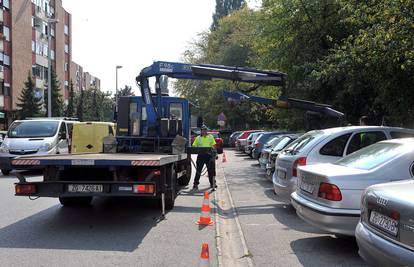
(209,159)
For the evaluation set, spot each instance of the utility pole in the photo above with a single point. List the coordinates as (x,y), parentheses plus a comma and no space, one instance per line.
(116,88)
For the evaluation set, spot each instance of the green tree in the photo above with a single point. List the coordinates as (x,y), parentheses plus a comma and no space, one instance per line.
(29,105)
(96,105)
(126,91)
(70,109)
(57,101)
(225,8)
(372,69)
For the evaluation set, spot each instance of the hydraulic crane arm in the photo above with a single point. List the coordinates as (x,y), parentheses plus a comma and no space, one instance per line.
(286,103)
(161,69)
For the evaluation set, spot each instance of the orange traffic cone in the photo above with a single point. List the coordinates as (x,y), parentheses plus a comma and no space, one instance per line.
(224,157)
(205,256)
(205,218)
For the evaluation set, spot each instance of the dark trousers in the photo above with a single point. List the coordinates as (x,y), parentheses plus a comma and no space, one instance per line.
(210,162)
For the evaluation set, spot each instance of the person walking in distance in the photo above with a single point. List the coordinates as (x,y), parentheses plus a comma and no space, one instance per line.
(208,159)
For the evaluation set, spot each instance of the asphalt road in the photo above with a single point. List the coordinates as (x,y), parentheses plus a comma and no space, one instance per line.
(256,230)
(111,232)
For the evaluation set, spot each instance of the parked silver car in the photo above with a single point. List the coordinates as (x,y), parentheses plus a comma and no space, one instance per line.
(250,142)
(264,156)
(385,234)
(324,146)
(282,143)
(329,194)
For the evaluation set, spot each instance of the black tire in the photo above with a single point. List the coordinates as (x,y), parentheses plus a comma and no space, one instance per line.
(185,179)
(5,172)
(171,192)
(75,201)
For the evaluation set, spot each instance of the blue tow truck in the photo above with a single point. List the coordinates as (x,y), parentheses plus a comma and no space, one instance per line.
(150,155)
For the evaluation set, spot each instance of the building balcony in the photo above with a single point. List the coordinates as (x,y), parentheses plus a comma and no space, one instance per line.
(41,84)
(1,16)
(1,45)
(1,73)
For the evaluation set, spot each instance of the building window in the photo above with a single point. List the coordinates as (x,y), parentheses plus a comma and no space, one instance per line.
(6,89)
(45,48)
(52,32)
(34,46)
(66,66)
(6,33)
(6,60)
(66,48)
(6,3)
(52,55)
(66,30)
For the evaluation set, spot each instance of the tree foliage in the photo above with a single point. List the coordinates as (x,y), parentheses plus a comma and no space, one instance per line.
(57,100)
(94,105)
(70,109)
(224,8)
(354,55)
(29,105)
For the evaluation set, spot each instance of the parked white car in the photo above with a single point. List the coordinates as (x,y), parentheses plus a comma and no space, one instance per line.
(38,136)
(329,194)
(325,146)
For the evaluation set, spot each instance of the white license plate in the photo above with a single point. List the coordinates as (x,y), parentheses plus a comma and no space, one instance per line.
(281,174)
(85,188)
(383,222)
(83,162)
(307,187)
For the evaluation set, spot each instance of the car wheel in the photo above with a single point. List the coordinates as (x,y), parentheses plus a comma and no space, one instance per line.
(5,172)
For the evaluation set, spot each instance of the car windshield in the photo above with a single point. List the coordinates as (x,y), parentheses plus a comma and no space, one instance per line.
(281,143)
(29,129)
(299,144)
(272,142)
(372,156)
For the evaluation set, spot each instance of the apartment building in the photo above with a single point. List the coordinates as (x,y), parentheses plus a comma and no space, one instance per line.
(24,49)
(83,80)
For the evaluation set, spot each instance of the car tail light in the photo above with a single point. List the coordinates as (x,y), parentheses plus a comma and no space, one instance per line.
(329,192)
(395,215)
(299,162)
(25,189)
(144,188)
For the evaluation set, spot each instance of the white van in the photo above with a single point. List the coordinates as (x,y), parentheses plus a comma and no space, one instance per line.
(37,136)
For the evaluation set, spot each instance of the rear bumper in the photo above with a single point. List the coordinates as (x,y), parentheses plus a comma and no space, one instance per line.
(60,189)
(378,251)
(285,189)
(332,220)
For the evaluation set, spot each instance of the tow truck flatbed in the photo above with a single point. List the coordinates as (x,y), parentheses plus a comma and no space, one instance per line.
(98,159)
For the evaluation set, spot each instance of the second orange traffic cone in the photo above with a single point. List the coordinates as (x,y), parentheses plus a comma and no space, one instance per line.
(205,256)
(224,157)
(205,218)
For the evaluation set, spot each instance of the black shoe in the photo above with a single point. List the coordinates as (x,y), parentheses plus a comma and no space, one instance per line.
(215,186)
(195,187)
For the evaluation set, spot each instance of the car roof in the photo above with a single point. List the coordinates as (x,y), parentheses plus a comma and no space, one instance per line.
(353,128)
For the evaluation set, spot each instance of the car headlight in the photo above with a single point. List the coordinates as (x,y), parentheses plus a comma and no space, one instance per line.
(45,147)
(4,148)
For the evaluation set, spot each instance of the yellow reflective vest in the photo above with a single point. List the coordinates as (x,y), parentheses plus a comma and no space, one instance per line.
(204,141)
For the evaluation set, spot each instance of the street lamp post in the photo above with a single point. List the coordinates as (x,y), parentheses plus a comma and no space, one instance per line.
(49,65)
(116,88)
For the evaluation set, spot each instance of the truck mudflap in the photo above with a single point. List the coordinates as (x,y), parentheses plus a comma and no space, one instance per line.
(86,188)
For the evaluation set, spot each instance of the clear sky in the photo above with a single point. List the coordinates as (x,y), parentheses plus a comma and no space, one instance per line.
(133,33)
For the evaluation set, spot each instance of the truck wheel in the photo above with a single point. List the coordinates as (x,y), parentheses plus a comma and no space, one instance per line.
(171,192)
(75,201)
(185,179)
(5,172)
